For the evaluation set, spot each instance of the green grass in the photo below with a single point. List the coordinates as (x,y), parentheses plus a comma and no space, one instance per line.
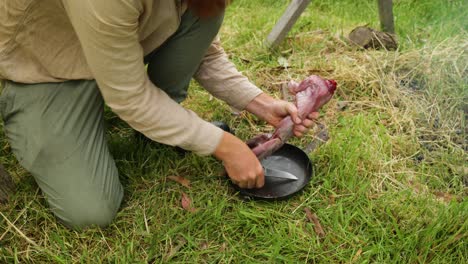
(390,184)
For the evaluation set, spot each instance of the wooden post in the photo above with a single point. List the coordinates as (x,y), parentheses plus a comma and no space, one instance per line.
(286,22)
(386,15)
(6,185)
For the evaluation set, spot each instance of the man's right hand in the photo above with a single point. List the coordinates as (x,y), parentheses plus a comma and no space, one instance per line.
(240,162)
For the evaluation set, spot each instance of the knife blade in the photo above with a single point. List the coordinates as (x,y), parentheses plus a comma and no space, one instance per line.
(274,173)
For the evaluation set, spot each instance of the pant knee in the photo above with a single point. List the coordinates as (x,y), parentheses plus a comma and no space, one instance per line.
(82,215)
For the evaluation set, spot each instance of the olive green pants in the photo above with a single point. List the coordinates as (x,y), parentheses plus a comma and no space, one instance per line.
(57,132)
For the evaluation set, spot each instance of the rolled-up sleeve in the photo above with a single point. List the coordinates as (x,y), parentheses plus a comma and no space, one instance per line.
(220,77)
(108,33)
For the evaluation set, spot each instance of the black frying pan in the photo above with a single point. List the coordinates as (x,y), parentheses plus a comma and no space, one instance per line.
(288,158)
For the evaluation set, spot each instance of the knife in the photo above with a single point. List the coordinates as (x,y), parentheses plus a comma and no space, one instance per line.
(274,173)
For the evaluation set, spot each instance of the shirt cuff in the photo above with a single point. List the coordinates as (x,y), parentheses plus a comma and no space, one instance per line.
(206,140)
(249,92)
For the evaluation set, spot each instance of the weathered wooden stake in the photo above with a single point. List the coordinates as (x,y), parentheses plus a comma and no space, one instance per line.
(386,15)
(286,22)
(6,185)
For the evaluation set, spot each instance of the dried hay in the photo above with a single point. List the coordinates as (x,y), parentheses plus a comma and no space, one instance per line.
(420,94)
(423,91)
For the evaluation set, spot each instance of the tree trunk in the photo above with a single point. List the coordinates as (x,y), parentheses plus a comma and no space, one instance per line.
(286,22)
(6,185)
(386,15)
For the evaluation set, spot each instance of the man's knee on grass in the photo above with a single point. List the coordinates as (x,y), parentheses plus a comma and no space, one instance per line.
(80,215)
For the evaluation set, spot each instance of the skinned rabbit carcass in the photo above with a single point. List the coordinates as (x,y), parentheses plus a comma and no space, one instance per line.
(310,95)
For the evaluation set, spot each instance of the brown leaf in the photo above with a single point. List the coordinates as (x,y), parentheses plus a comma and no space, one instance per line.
(187,203)
(309,214)
(223,247)
(204,245)
(183,181)
(358,254)
(446,197)
(312,217)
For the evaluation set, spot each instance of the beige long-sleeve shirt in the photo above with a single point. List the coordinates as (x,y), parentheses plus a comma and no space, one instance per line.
(106,40)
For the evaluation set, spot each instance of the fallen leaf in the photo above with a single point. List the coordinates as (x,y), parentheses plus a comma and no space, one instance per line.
(180,180)
(446,197)
(223,247)
(312,217)
(187,203)
(308,214)
(358,254)
(204,245)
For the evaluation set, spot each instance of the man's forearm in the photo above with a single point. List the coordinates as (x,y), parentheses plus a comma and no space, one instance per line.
(260,105)
(220,77)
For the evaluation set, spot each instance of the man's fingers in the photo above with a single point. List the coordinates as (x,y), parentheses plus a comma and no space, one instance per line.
(298,134)
(251,183)
(314,115)
(260,179)
(260,182)
(300,128)
(308,123)
(292,110)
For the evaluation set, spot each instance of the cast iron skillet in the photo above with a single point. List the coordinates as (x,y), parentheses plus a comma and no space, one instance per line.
(288,158)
